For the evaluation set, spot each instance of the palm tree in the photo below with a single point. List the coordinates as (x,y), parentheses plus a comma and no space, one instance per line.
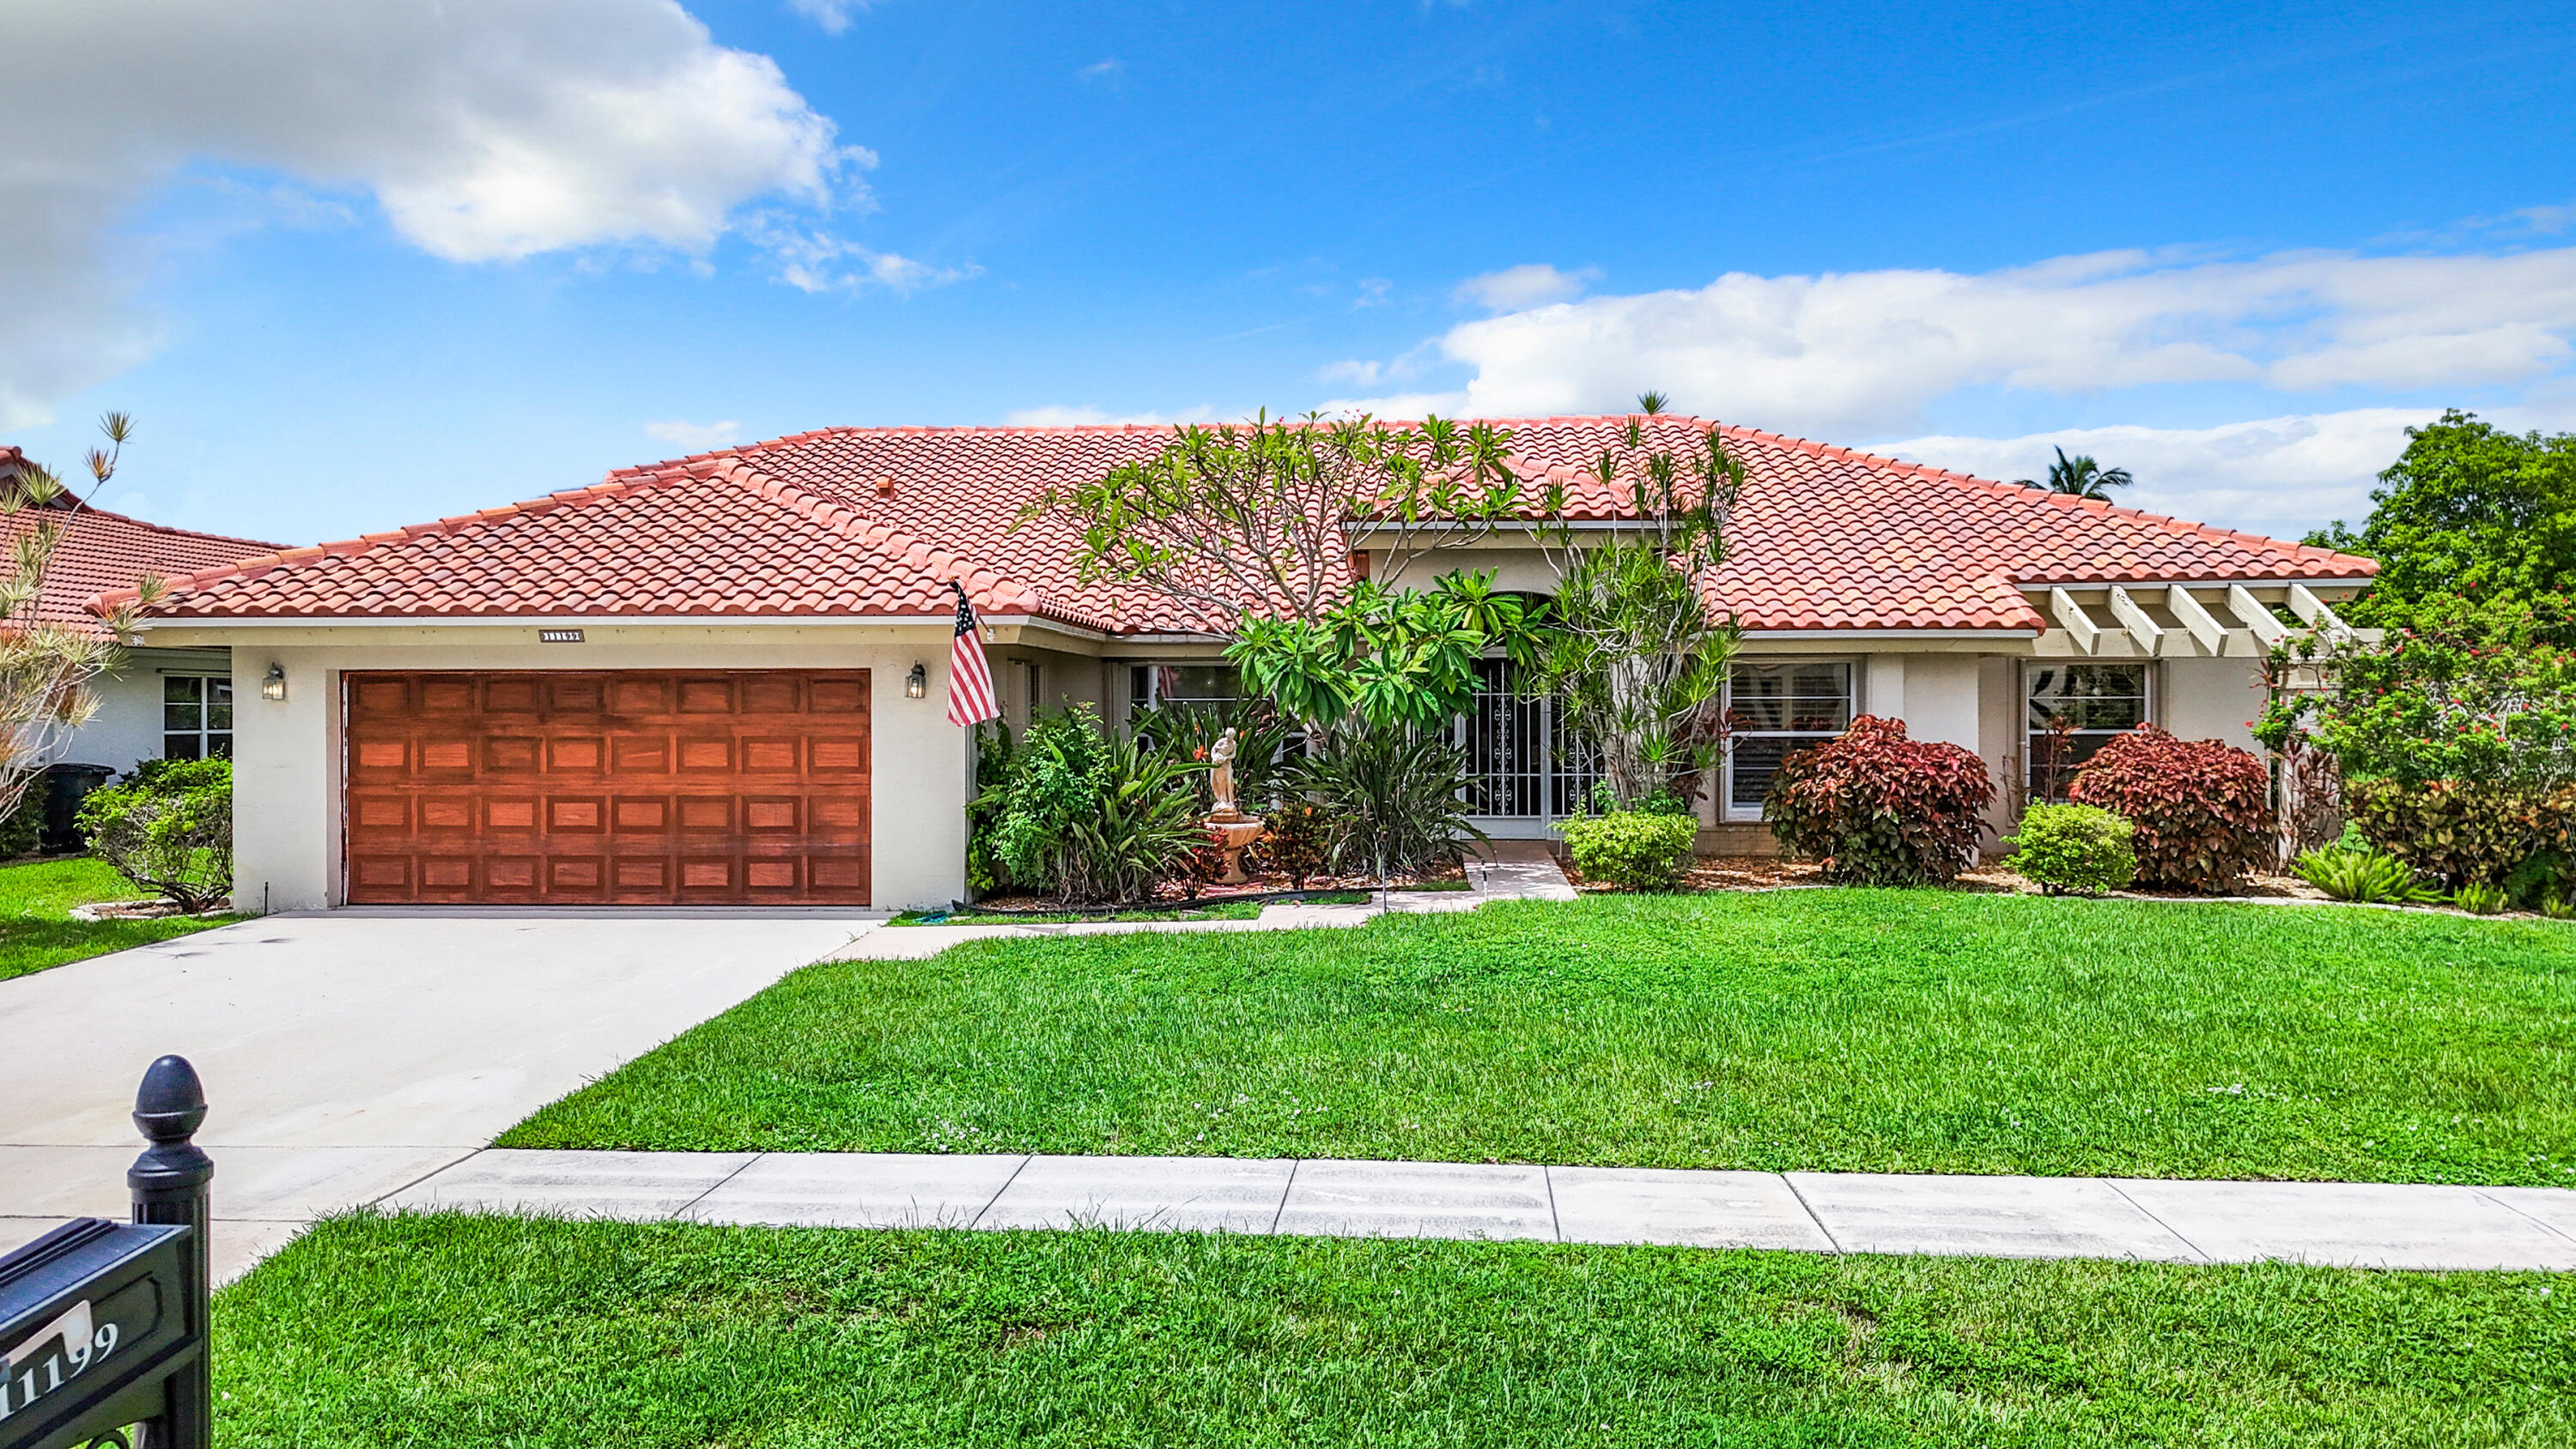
(2081,477)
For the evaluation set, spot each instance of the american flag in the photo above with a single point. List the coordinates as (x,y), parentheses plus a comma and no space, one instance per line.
(970,679)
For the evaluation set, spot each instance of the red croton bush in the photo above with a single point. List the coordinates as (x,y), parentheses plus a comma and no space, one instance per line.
(1879,809)
(2203,810)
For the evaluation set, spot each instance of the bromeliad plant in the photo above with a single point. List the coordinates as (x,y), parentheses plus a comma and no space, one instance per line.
(1632,655)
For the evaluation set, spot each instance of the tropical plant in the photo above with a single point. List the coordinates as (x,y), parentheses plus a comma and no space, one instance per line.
(1632,849)
(2482,900)
(1300,840)
(1189,732)
(49,669)
(1143,828)
(1398,796)
(1632,656)
(169,829)
(2558,907)
(995,748)
(2471,510)
(2202,809)
(2080,477)
(1383,658)
(2350,870)
(1256,521)
(2074,848)
(1091,815)
(1879,809)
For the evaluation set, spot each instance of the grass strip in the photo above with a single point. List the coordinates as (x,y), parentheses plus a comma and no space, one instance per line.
(36,926)
(464,1331)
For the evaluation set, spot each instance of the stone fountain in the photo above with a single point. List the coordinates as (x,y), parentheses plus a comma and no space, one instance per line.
(1228,823)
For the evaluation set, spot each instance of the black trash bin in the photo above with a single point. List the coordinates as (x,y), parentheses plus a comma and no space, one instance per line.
(65,787)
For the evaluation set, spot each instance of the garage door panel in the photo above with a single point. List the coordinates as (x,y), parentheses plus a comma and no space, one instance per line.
(756,787)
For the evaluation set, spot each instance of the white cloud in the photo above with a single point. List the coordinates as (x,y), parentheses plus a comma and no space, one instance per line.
(485,130)
(1101,70)
(1532,284)
(694,437)
(833,15)
(813,260)
(2279,476)
(1057,415)
(1864,353)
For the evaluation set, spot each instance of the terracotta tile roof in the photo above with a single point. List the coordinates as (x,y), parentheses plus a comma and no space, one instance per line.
(102,552)
(872,522)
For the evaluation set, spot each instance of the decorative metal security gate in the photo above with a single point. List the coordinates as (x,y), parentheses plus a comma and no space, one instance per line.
(1528,764)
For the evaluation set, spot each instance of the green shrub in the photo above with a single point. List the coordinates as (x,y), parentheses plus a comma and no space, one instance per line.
(1300,840)
(1632,849)
(1879,809)
(2481,900)
(2514,836)
(2558,907)
(2202,809)
(1090,815)
(2074,848)
(2350,870)
(169,829)
(22,830)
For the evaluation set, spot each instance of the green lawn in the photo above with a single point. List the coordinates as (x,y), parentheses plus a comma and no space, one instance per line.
(457,1331)
(36,927)
(1836,1030)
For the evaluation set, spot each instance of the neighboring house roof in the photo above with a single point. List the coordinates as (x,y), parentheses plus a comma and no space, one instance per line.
(873,522)
(102,552)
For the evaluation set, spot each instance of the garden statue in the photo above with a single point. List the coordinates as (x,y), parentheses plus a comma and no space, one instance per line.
(1232,828)
(1221,776)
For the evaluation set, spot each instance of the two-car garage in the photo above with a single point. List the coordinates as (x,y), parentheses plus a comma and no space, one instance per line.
(606,787)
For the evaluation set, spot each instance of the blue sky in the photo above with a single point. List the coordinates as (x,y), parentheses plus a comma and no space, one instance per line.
(359,266)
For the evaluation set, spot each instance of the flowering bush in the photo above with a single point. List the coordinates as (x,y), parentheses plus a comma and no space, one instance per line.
(2202,809)
(2075,848)
(1300,840)
(2469,692)
(1878,808)
(1632,849)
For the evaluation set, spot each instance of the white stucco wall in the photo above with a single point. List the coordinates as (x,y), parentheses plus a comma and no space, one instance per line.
(127,726)
(287,836)
(2211,699)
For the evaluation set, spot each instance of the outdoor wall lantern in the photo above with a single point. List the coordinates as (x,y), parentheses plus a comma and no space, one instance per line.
(274,685)
(917,683)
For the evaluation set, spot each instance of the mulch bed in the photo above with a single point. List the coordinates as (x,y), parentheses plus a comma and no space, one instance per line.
(1764,873)
(1262,883)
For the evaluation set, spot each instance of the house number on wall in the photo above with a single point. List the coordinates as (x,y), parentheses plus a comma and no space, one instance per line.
(58,1353)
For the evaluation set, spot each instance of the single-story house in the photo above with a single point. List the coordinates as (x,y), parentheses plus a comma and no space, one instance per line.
(720,679)
(164,702)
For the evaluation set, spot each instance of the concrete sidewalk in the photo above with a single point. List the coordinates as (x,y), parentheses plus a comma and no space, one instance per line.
(2345,1224)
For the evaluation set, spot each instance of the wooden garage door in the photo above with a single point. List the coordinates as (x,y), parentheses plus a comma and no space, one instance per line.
(612,787)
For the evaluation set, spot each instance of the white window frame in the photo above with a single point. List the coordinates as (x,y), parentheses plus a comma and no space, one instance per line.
(205,734)
(1854,681)
(2151,711)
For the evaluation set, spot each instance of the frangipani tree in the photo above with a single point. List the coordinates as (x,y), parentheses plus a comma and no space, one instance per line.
(1632,654)
(1258,520)
(49,669)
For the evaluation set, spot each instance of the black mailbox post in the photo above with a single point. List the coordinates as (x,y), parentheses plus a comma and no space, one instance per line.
(103,1325)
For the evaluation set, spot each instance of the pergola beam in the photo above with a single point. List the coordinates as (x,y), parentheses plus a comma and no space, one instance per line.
(2150,635)
(2250,610)
(2078,624)
(2211,634)
(2312,611)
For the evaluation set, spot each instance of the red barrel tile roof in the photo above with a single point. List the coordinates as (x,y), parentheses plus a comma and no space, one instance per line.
(874,522)
(102,552)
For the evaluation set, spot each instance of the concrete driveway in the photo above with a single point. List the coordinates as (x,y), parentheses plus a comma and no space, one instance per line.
(346,1055)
